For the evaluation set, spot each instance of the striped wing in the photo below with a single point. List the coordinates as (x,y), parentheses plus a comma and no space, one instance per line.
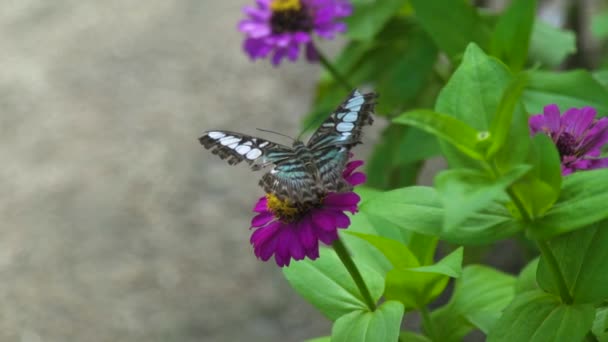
(292,180)
(236,147)
(343,127)
(331,143)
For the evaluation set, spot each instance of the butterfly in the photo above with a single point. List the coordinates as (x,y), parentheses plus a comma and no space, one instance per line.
(305,172)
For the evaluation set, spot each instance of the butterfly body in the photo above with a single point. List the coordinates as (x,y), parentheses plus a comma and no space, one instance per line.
(305,172)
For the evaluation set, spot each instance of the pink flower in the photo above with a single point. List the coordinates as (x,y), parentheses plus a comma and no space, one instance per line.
(280,27)
(292,233)
(577,135)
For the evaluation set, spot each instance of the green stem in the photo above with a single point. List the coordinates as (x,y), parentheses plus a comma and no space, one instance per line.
(428,324)
(546,252)
(344,256)
(555,271)
(334,72)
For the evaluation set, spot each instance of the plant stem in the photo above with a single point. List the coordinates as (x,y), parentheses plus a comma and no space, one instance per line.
(344,256)
(333,71)
(555,271)
(428,323)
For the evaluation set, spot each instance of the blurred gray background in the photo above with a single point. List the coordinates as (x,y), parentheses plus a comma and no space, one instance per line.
(116,224)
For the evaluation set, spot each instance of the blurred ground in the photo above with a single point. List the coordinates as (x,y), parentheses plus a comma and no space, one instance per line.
(116,224)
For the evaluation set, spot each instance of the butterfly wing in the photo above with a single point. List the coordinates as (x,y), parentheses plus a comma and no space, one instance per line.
(236,147)
(331,143)
(343,127)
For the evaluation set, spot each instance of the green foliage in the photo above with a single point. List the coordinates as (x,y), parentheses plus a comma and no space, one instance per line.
(472,108)
(452,24)
(536,316)
(370,16)
(549,45)
(582,258)
(411,282)
(479,297)
(582,202)
(566,89)
(511,36)
(364,326)
(326,284)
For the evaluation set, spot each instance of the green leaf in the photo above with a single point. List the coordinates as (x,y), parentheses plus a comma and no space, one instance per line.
(380,325)
(511,36)
(602,77)
(393,162)
(551,45)
(320,339)
(450,265)
(396,252)
(326,284)
(600,324)
(464,192)
(416,287)
(419,209)
(566,89)
(369,16)
(452,130)
(581,256)
(452,24)
(474,92)
(501,123)
(539,189)
(480,295)
(535,316)
(473,95)
(599,25)
(582,202)
(526,281)
(408,336)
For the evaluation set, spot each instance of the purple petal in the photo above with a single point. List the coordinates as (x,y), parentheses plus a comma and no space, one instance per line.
(324,219)
(257,14)
(598,163)
(579,120)
(264,240)
(261,206)
(356,178)
(596,138)
(342,201)
(327,237)
(253,29)
(293,52)
(278,56)
(342,220)
(311,52)
(262,219)
(307,235)
(351,166)
(552,118)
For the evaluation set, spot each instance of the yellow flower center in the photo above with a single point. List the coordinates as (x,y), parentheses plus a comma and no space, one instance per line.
(285,5)
(287,211)
(281,209)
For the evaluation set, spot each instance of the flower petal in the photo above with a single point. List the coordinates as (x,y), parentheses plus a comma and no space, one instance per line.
(262,219)
(324,219)
(342,201)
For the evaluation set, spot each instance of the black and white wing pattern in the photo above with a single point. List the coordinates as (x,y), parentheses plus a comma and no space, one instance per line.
(343,127)
(331,143)
(236,147)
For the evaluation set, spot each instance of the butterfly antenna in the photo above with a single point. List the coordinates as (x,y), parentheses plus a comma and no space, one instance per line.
(308,127)
(273,132)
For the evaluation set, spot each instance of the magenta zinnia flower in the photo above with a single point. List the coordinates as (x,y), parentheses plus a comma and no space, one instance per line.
(280,27)
(578,136)
(289,233)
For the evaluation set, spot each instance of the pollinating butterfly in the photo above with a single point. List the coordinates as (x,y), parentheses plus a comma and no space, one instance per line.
(305,172)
